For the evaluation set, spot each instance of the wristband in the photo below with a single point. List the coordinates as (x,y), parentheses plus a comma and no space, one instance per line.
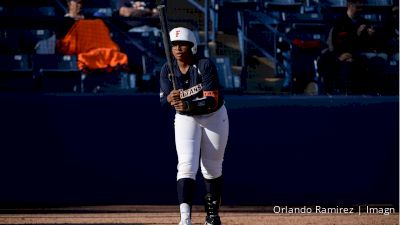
(188,106)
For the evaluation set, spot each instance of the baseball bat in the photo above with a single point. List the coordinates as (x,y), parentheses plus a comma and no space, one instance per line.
(167,44)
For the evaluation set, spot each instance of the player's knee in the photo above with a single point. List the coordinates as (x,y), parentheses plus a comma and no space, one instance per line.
(211,173)
(186,172)
(211,169)
(182,175)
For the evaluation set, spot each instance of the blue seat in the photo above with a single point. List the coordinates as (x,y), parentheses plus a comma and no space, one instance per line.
(10,41)
(335,3)
(21,41)
(239,1)
(56,62)
(16,73)
(279,8)
(305,18)
(32,11)
(57,73)
(226,78)
(379,2)
(98,11)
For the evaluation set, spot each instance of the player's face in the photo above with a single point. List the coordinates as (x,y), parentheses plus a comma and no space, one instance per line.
(181,49)
(356,8)
(75,7)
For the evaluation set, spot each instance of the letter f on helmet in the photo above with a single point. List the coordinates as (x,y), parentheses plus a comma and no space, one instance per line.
(183,34)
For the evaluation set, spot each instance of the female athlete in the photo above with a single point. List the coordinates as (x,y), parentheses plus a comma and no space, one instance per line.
(201,124)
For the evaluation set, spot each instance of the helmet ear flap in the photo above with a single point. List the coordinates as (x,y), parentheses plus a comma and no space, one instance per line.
(194,50)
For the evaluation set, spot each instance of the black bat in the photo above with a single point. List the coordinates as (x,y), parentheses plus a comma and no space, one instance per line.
(167,44)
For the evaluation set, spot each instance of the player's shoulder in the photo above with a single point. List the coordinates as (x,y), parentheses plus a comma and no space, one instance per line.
(164,66)
(204,61)
(205,64)
(164,69)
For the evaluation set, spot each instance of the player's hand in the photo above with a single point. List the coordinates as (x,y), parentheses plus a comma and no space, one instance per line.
(173,96)
(371,31)
(179,105)
(360,29)
(346,57)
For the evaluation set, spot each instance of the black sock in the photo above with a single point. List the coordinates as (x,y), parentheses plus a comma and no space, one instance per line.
(213,196)
(186,190)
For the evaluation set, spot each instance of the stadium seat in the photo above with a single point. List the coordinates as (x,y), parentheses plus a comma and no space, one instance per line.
(98,12)
(279,8)
(16,73)
(57,73)
(226,79)
(379,2)
(27,11)
(21,41)
(239,1)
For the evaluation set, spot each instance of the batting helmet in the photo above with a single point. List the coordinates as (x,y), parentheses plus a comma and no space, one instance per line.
(183,34)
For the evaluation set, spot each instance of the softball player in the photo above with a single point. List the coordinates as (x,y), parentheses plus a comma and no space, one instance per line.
(201,124)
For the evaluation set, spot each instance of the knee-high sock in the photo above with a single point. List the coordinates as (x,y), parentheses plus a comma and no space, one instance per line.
(213,197)
(186,192)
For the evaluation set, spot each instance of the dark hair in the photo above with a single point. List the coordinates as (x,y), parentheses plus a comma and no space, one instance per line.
(187,42)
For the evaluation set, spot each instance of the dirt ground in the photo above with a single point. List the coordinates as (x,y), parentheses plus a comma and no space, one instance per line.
(163,215)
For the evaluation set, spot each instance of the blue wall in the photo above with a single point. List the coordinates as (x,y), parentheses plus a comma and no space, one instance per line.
(118,149)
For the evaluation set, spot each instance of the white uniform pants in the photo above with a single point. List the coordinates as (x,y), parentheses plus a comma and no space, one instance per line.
(201,135)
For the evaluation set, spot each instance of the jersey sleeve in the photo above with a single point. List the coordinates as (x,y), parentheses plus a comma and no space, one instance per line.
(165,85)
(210,75)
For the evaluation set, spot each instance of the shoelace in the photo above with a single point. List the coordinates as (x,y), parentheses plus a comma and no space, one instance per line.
(211,207)
(211,219)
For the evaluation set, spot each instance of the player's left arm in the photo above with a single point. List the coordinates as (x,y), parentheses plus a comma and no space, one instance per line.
(210,99)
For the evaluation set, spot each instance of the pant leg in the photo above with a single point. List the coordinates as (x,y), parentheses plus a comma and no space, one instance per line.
(187,141)
(215,131)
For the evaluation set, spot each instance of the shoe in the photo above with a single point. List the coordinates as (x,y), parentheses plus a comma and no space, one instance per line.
(186,222)
(212,220)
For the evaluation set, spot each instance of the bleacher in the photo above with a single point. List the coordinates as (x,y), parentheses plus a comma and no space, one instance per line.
(22,25)
(30,61)
(291,34)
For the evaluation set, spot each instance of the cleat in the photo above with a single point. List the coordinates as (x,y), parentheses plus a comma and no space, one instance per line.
(212,207)
(212,220)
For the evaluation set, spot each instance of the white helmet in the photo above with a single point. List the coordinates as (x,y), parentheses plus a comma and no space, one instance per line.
(183,34)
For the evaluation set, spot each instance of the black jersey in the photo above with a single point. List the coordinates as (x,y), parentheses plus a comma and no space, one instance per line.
(345,37)
(200,86)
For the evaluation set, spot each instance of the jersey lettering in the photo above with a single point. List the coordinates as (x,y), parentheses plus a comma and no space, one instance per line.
(191,91)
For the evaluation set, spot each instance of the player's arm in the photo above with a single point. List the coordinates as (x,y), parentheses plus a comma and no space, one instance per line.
(168,96)
(208,102)
(210,84)
(165,86)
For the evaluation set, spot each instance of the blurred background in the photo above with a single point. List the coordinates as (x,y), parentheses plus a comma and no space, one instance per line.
(275,47)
